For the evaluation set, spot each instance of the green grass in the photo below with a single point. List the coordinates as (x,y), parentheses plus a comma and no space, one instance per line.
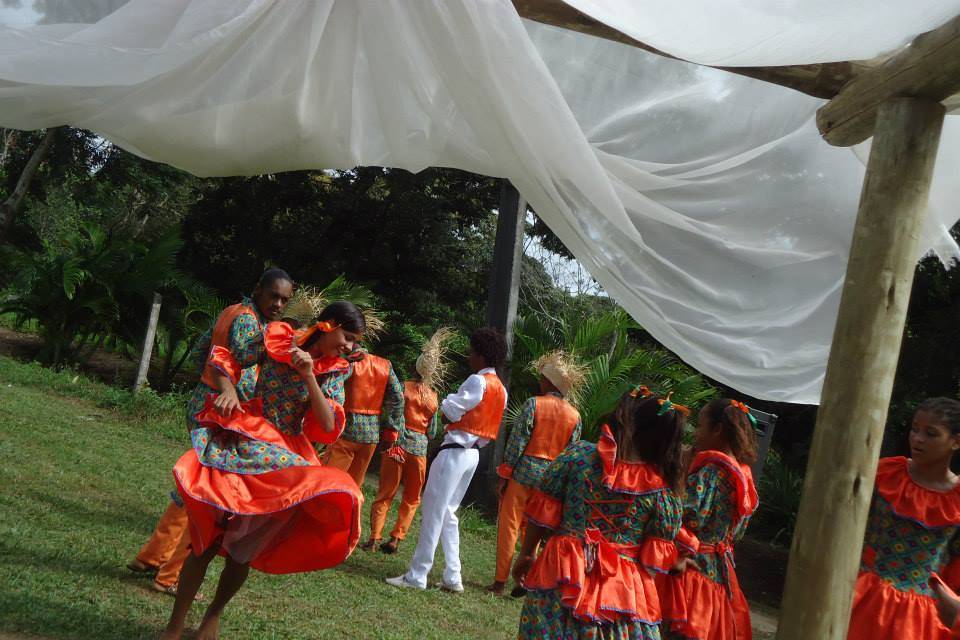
(86,472)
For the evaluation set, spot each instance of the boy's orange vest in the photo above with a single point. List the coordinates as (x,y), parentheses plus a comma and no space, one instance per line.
(419,405)
(367,386)
(484,419)
(554,420)
(220,336)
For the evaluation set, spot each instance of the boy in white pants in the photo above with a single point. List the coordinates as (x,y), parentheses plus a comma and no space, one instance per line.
(474,413)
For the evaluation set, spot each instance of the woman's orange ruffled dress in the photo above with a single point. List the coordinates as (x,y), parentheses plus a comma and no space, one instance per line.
(253,483)
(912,532)
(614,525)
(708,603)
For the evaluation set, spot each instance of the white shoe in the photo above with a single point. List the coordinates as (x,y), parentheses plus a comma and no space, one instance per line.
(401,581)
(452,588)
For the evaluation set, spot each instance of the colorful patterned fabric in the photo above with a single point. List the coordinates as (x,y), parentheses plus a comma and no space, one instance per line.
(416,443)
(709,514)
(285,402)
(365,429)
(576,478)
(528,470)
(544,617)
(904,552)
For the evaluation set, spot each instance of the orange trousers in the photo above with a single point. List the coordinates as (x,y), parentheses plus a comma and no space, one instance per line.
(168,547)
(412,471)
(510,526)
(352,457)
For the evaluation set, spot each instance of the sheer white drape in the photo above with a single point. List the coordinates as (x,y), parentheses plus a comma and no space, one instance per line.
(705,203)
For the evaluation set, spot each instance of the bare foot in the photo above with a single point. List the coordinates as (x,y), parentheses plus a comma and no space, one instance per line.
(209,629)
(496,588)
(140,567)
(390,546)
(369,545)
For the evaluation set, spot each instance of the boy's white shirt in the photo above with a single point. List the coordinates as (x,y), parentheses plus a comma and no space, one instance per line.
(467,397)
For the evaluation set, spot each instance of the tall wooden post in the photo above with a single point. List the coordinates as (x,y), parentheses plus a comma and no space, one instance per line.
(148,344)
(839,483)
(502,298)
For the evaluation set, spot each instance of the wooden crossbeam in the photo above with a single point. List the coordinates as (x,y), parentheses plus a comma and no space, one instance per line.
(819,80)
(929,68)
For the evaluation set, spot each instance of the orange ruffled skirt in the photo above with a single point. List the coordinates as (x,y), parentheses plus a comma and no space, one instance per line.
(289,520)
(697,608)
(883,612)
(617,587)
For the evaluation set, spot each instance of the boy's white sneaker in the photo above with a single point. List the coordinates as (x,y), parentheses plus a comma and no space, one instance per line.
(401,581)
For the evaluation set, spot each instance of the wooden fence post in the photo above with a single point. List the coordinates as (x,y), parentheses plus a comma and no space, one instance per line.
(825,554)
(148,344)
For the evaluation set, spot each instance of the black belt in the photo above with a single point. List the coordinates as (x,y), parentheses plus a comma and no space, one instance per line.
(453,445)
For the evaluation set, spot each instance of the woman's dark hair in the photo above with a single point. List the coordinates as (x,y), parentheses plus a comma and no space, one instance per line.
(490,344)
(342,313)
(642,434)
(737,429)
(947,409)
(272,275)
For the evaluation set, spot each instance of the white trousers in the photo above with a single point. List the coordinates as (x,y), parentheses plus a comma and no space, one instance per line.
(450,475)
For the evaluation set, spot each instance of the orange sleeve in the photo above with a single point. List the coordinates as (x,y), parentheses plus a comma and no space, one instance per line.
(315,431)
(544,510)
(658,554)
(223,361)
(687,543)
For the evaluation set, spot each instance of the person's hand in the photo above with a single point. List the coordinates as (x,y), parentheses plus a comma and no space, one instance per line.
(948,604)
(227,402)
(683,564)
(301,361)
(522,567)
(501,487)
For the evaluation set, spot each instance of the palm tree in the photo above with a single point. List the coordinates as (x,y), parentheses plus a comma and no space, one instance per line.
(615,363)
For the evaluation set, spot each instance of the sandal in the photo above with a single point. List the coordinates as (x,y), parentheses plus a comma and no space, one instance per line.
(137,566)
(370,544)
(171,590)
(391,546)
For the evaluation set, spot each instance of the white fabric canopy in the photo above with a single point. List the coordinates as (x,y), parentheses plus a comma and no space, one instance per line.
(705,203)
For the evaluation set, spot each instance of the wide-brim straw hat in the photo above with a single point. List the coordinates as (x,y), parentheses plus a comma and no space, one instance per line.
(561,370)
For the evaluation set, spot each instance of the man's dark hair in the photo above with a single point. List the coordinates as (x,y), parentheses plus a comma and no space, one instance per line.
(490,344)
(271,275)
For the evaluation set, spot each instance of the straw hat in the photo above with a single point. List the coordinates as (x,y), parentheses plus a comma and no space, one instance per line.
(561,370)
(432,363)
(308,302)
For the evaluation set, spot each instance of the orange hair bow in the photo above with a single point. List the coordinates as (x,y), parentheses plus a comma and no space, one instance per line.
(742,407)
(667,405)
(641,391)
(325,326)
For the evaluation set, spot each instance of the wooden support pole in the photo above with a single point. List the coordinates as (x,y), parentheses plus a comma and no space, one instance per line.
(822,80)
(825,554)
(502,299)
(148,344)
(929,68)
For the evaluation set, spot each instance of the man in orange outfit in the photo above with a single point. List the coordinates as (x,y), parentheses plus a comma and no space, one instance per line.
(236,326)
(374,403)
(408,458)
(547,424)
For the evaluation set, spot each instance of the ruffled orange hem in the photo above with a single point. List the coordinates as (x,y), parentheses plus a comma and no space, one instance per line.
(543,510)
(635,478)
(280,337)
(697,608)
(909,500)
(747,498)
(883,612)
(315,432)
(616,587)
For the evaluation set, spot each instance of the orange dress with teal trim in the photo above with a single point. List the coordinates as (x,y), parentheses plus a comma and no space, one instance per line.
(912,532)
(614,525)
(253,484)
(708,603)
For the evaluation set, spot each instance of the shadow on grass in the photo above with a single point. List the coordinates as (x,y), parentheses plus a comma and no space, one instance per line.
(118,513)
(36,614)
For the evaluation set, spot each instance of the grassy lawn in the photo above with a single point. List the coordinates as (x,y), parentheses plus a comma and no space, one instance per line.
(86,474)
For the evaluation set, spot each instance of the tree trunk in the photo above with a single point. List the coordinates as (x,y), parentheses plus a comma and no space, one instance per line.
(9,208)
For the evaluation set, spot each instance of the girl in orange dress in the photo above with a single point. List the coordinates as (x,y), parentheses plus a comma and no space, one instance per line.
(701,598)
(611,510)
(252,484)
(913,532)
